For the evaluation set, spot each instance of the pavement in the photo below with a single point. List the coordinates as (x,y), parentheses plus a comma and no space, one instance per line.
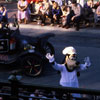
(87,43)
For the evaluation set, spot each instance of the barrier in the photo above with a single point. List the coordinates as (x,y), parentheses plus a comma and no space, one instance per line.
(15,90)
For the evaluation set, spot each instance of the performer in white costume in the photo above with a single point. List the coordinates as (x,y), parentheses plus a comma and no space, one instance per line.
(70,67)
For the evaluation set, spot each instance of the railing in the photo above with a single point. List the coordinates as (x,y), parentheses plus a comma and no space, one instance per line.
(14,90)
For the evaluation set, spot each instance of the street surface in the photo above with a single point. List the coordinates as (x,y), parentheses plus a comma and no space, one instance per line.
(86,41)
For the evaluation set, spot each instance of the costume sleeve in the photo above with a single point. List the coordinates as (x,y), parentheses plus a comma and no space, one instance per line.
(57,66)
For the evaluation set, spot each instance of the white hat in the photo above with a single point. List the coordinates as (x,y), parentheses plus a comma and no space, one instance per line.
(69,50)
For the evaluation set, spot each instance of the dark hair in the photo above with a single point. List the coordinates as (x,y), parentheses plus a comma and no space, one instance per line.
(52,0)
(74,2)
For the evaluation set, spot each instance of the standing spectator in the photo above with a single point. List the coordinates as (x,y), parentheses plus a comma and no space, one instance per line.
(23,11)
(56,12)
(3,14)
(69,68)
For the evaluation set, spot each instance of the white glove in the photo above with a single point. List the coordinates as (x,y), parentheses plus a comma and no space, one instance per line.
(50,57)
(87,61)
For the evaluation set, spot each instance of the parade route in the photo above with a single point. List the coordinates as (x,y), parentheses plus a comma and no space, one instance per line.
(86,41)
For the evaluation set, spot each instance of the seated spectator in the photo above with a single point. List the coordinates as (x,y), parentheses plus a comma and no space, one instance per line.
(32,4)
(3,14)
(75,15)
(44,11)
(88,6)
(23,11)
(66,10)
(37,7)
(98,11)
(88,12)
(56,12)
(97,17)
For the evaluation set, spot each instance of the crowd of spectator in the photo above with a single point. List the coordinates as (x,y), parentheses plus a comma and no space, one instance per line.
(64,14)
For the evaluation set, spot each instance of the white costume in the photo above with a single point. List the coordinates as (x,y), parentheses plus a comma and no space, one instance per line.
(69,78)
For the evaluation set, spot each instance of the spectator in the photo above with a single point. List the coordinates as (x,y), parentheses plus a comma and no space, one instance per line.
(88,5)
(98,11)
(3,14)
(31,4)
(44,11)
(66,10)
(56,12)
(23,11)
(97,17)
(77,12)
(88,12)
(75,15)
(37,6)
